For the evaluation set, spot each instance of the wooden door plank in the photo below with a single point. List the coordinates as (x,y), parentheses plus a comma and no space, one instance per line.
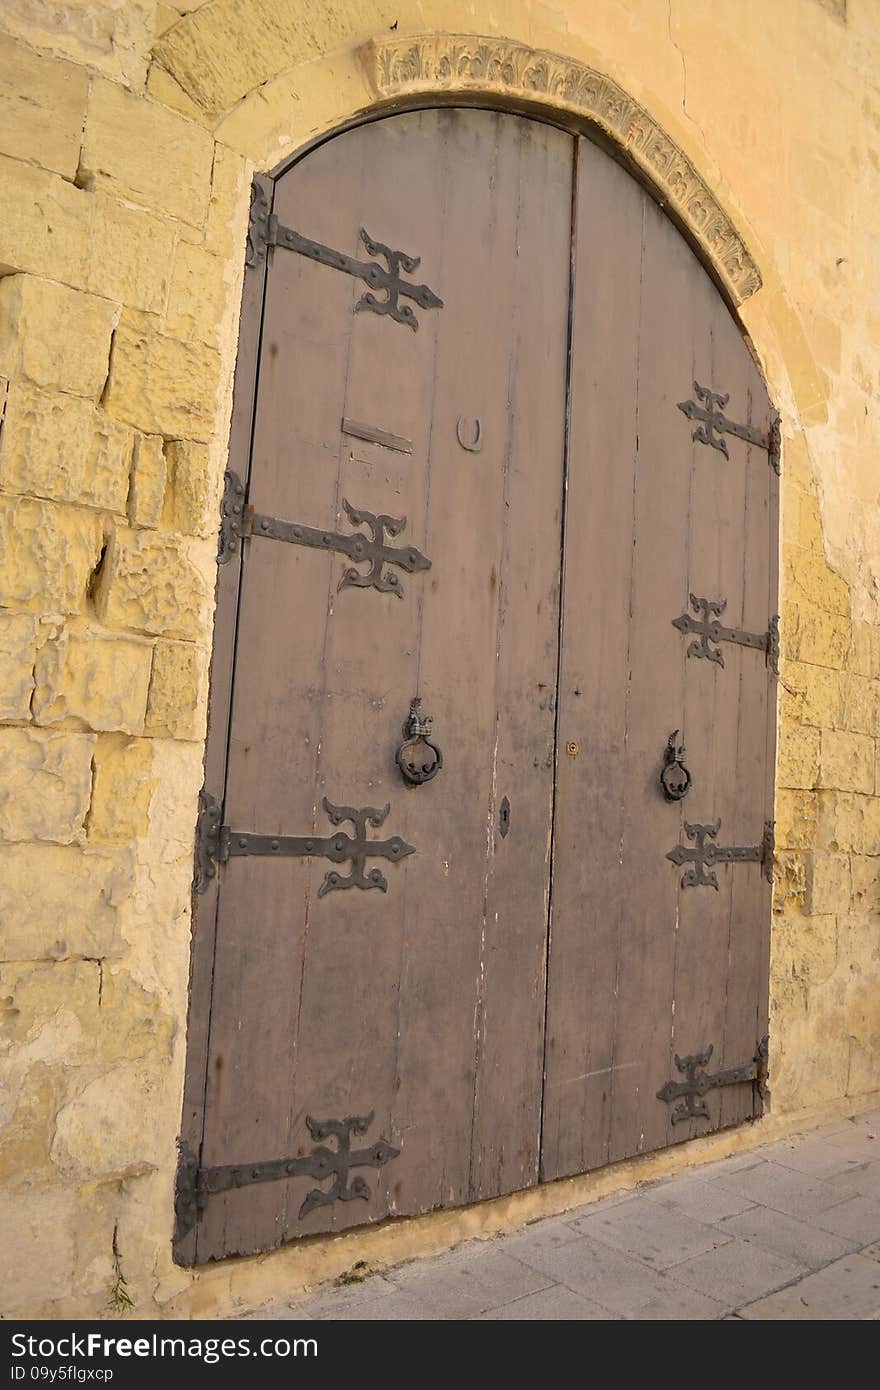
(512,989)
(712,713)
(347,1020)
(265,907)
(645,981)
(745,1022)
(589,885)
(362,1001)
(625,995)
(205,905)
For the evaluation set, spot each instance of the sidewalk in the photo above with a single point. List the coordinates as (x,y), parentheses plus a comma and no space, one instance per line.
(788,1231)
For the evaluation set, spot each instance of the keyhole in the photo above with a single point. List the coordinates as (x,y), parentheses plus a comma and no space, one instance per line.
(504,818)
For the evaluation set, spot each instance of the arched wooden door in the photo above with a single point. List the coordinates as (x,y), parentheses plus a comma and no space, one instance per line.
(477,464)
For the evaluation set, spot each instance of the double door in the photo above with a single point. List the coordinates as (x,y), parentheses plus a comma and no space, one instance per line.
(455,937)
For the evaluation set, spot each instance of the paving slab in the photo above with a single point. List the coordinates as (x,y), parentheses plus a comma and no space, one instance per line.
(398,1307)
(656,1235)
(817,1158)
(556,1304)
(786,1236)
(336,1300)
(832,1127)
(864,1179)
(736,1273)
(539,1235)
(860,1144)
(620,1284)
(737,1163)
(704,1201)
(846,1290)
(859,1218)
(782,1189)
(472,1280)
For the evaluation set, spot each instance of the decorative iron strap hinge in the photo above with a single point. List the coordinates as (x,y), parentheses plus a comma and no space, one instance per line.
(698,1081)
(238,520)
(195,1185)
(265,230)
(709,629)
(215,843)
(702,856)
(715,425)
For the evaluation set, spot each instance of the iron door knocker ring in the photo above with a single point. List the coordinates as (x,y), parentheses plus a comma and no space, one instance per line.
(417,757)
(675,779)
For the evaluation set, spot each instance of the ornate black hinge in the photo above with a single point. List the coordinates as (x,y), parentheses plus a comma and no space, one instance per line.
(239,520)
(207,840)
(265,230)
(698,1081)
(703,854)
(195,1185)
(715,424)
(216,843)
(709,629)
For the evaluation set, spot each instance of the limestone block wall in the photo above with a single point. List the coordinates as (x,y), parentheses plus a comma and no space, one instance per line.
(129,132)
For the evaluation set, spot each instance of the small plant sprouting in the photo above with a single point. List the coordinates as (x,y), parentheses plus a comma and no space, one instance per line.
(120,1301)
(356,1275)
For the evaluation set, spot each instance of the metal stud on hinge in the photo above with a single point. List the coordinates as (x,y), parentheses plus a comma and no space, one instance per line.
(708,408)
(217,843)
(195,1184)
(265,230)
(238,521)
(698,1081)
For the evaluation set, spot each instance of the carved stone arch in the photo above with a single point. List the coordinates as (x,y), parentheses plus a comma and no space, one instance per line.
(431,69)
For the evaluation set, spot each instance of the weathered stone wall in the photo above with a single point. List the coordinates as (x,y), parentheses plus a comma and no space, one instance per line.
(128,134)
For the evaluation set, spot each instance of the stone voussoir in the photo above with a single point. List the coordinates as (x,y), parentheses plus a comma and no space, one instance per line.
(142,150)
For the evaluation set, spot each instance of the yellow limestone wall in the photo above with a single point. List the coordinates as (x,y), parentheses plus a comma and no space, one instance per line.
(128,135)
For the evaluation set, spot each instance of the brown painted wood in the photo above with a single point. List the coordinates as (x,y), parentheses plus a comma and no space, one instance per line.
(639,967)
(498,1020)
(400,1003)
(204,920)
(589,884)
(707,923)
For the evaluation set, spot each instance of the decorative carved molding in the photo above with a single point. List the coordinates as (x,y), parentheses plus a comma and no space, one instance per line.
(425,63)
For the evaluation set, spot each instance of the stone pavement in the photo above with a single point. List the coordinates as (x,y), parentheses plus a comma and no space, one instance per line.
(790,1230)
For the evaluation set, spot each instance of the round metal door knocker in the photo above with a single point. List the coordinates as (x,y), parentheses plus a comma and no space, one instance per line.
(675,779)
(418,758)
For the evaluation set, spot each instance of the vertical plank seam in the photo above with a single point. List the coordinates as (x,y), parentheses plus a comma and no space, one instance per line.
(319,750)
(479,1009)
(629,638)
(566,442)
(725,1104)
(385,1179)
(686,705)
